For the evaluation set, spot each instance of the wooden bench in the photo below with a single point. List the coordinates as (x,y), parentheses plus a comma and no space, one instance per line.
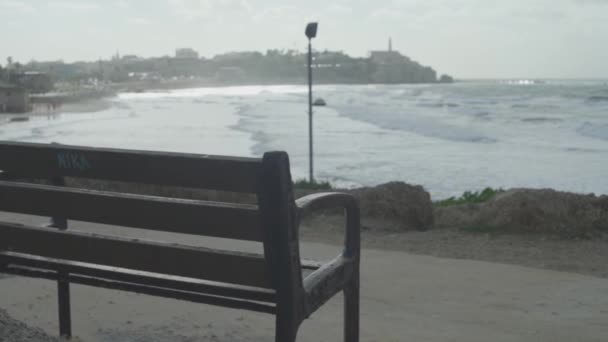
(270,282)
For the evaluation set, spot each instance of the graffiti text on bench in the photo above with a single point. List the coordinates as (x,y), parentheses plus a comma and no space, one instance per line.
(72,161)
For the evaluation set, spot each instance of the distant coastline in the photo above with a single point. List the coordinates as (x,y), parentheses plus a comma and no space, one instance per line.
(186,69)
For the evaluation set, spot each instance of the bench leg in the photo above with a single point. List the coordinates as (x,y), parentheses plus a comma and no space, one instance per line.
(351,311)
(65,316)
(286,330)
(63,285)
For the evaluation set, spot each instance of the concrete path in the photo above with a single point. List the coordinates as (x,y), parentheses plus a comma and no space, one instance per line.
(404,298)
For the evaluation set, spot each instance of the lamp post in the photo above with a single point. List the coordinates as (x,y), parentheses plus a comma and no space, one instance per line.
(311,32)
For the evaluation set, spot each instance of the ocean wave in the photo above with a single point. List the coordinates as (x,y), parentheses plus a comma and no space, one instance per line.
(483,115)
(437,104)
(541,120)
(481,102)
(522,82)
(597,131)
(283,100)
(121,105)
(392,119)
(408,94)
(597,98)
(584,150)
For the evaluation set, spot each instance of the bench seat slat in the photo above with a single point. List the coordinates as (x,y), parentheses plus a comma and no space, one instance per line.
(139,277)
(235,221)
(149,290)
(163,168)
(193,262)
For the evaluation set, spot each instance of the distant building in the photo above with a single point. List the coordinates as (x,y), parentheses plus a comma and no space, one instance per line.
(186,53)
(390,66)
(33,81)
(130,58)
(230,74)
(14,99)
(388,57)
(185,67)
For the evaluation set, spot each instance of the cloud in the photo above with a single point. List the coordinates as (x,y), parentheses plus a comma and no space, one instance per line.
(192,9)
(591,2)
(19,6)
(478,13)
(121,4)
(385,13)
(273,13)
(138,21)
(339,9)
(76,5)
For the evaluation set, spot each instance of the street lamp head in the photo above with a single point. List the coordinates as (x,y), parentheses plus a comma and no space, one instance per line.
(311,30)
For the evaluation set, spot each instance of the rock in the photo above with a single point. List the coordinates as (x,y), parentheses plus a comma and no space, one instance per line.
(319,103)
(456,216)
(547,211)
(408,206)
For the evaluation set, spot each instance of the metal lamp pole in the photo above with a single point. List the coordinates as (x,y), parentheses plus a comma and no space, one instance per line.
(310,150)
(311,32)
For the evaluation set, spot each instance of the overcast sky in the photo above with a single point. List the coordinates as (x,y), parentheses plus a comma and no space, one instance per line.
(465,38)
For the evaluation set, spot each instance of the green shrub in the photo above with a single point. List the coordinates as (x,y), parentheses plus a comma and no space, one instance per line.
(469,197)
(314,185)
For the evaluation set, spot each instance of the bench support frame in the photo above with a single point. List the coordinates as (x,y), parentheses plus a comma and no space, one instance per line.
(273,283)
(63,284)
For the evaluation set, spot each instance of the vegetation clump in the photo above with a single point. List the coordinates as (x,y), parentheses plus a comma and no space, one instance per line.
(314,185)
(469,197)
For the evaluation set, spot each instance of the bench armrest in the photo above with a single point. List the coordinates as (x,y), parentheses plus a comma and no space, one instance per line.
(332,277)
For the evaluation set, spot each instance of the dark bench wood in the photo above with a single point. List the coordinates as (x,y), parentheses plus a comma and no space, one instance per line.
(271,282)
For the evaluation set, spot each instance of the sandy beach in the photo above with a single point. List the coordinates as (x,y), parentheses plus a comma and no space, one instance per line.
(405,296)
(84,106)
(43,110)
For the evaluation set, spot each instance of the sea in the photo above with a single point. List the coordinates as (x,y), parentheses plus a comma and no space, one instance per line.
(449,138)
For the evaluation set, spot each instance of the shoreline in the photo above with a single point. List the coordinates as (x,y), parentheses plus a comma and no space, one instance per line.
(84,106)
(142,86)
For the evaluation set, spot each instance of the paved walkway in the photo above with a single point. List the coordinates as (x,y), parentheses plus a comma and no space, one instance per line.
(404,298)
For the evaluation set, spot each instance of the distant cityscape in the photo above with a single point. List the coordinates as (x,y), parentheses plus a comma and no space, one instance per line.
(22,85)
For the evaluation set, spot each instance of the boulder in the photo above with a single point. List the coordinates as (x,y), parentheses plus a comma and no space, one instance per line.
(543,211)
(408,206)
(546,211)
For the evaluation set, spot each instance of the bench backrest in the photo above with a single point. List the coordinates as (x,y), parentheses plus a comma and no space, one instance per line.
(272,221)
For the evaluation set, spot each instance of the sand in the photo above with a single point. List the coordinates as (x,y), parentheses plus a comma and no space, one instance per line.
(583,256)
(41,110)
(14,330)
(404,297)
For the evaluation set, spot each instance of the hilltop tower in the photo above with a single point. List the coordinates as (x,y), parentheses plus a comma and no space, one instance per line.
(390,44)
